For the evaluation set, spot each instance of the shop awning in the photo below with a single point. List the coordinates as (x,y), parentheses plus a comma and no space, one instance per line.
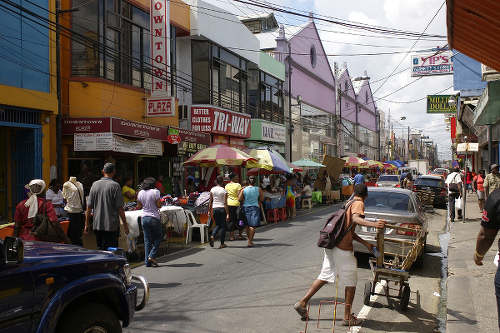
(473,29)
(487,111)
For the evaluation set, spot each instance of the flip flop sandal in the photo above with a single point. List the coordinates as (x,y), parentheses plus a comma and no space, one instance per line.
(302,311)
(354,321)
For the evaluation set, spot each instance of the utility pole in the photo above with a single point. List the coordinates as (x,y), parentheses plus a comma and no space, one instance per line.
(290,131)
(408,143)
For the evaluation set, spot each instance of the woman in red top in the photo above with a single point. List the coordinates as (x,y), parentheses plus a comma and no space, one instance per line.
(478,182)
(27,209)
(468,180)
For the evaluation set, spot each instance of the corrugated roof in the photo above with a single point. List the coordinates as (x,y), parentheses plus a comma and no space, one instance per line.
(473,29)
(256,15)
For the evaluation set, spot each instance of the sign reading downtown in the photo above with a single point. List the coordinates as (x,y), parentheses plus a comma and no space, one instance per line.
(439,104)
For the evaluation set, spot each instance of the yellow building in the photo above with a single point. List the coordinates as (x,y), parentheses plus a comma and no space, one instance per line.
(106,82)
(28,105)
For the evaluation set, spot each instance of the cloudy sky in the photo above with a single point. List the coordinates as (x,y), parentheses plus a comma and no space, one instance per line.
(399,14)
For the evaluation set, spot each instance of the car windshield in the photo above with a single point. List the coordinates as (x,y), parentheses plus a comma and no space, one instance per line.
(389,178)
(429,182)
(387,201)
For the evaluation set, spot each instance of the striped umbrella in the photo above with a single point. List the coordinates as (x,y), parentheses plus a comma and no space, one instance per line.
(218,155)
(352,161)
(388,166)
(268,159)
(374,164)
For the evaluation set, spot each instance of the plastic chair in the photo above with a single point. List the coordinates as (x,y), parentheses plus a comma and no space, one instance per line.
(191,224)
(308,202)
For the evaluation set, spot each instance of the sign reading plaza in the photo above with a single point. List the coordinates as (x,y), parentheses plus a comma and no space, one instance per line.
(439,104)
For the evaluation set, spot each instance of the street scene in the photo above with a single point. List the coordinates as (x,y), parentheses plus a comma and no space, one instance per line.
(249,166)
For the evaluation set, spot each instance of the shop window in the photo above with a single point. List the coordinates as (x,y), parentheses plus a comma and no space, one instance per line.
(182,111)
(201,72)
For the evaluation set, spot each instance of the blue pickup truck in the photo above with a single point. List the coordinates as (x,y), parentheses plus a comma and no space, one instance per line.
(47,287)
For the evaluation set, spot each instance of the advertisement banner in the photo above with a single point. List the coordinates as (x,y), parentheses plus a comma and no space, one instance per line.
(71,126)
(220,121)
(138,130)
(110,142)
(160,107)
(160,46)
(439,104)
(190,136)
(433,63)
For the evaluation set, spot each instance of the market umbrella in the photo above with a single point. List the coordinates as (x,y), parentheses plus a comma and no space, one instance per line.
(306,163)
(374,164)
(268,159)
(395,163)
(218,155)
(389,166)
(352,161)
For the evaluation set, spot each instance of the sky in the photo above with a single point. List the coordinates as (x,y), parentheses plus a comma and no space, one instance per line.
(398,14)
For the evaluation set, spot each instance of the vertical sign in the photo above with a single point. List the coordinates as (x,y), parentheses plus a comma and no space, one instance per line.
(160,46)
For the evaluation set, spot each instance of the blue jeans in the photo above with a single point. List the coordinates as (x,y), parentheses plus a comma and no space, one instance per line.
(497,293)
(153,234)
(253,216)
(220,224)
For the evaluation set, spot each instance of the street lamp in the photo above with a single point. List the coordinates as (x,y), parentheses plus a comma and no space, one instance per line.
(452,101)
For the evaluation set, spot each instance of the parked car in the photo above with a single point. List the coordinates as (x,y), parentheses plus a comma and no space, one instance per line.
(48,287)
(437,185)
(441,172)
(395,206)
(388,181)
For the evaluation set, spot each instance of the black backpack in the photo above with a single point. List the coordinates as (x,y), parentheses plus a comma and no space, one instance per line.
(333,230)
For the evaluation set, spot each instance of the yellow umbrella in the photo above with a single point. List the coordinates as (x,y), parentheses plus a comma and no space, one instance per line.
(374,164)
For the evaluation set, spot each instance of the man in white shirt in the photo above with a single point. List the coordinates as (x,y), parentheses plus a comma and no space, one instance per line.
(73,193)
(454,182)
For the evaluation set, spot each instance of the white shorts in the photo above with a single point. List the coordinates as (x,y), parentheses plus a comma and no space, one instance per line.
(339,264)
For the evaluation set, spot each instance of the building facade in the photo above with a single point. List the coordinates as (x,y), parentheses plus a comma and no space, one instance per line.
(28,103)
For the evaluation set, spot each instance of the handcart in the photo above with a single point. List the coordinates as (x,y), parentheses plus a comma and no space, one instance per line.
(396,270)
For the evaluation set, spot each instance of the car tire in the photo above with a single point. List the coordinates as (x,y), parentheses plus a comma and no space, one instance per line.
(82,318)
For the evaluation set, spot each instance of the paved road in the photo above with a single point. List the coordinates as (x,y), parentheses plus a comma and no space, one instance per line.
(240,289)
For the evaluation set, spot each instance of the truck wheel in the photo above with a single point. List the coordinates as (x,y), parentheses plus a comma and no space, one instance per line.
(90,318)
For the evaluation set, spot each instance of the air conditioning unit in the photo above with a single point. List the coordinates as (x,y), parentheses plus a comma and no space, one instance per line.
(489,74)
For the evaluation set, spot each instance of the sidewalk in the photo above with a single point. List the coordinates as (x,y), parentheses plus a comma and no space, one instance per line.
(471,305)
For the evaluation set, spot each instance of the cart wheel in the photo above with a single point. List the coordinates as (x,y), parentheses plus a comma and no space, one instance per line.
(405,297)
(368,293)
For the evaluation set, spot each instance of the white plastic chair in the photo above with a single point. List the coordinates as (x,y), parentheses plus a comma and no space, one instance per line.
(191,224)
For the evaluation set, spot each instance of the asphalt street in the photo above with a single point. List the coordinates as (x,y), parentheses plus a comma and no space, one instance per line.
(240,289)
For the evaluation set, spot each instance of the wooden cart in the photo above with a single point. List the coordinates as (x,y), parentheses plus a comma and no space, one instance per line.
(396,270)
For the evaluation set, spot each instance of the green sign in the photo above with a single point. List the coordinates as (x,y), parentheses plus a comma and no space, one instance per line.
(440,104)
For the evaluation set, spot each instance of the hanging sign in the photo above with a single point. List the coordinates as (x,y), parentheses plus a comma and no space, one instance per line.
(440,104)
(220,121)
(434,63)
(174,139)
(160,46)
(160,107)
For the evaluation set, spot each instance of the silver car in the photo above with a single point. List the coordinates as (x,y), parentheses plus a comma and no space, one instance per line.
(387,181)
(395,206)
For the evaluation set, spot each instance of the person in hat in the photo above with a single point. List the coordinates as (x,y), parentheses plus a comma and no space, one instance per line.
(492,180)
(106,201)
(28,209)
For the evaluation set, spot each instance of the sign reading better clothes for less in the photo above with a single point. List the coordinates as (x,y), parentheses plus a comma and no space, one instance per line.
(440,104)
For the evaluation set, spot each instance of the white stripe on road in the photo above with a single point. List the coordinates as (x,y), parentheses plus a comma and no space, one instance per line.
(363,313)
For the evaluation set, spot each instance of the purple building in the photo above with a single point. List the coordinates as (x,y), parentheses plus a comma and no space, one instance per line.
(313,97)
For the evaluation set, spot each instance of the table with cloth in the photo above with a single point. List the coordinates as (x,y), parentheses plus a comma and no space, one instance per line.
(173,217)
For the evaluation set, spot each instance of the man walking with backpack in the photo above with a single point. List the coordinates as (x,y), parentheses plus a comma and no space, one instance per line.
(340,262)
(454,182)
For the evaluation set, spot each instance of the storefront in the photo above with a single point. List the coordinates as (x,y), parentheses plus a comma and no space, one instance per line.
(265,133)
(136,148)
(181,145)
(224,126)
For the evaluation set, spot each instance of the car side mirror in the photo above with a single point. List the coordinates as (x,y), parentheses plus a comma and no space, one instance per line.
(13,250)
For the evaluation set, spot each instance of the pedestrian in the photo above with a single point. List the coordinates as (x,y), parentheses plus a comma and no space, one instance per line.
(106,201)
(490,224)
(359,178)
(340,261)
(233,189)
(408,182)
(252,197)
(36,212)
(219,211)
(454,182)
(73,193)
(477,183)
(290,195)
(492,180)
(148,199)
(127,191)
(55,196)
(468,180)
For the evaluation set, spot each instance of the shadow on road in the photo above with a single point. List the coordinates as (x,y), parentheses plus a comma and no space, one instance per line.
(188,264)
